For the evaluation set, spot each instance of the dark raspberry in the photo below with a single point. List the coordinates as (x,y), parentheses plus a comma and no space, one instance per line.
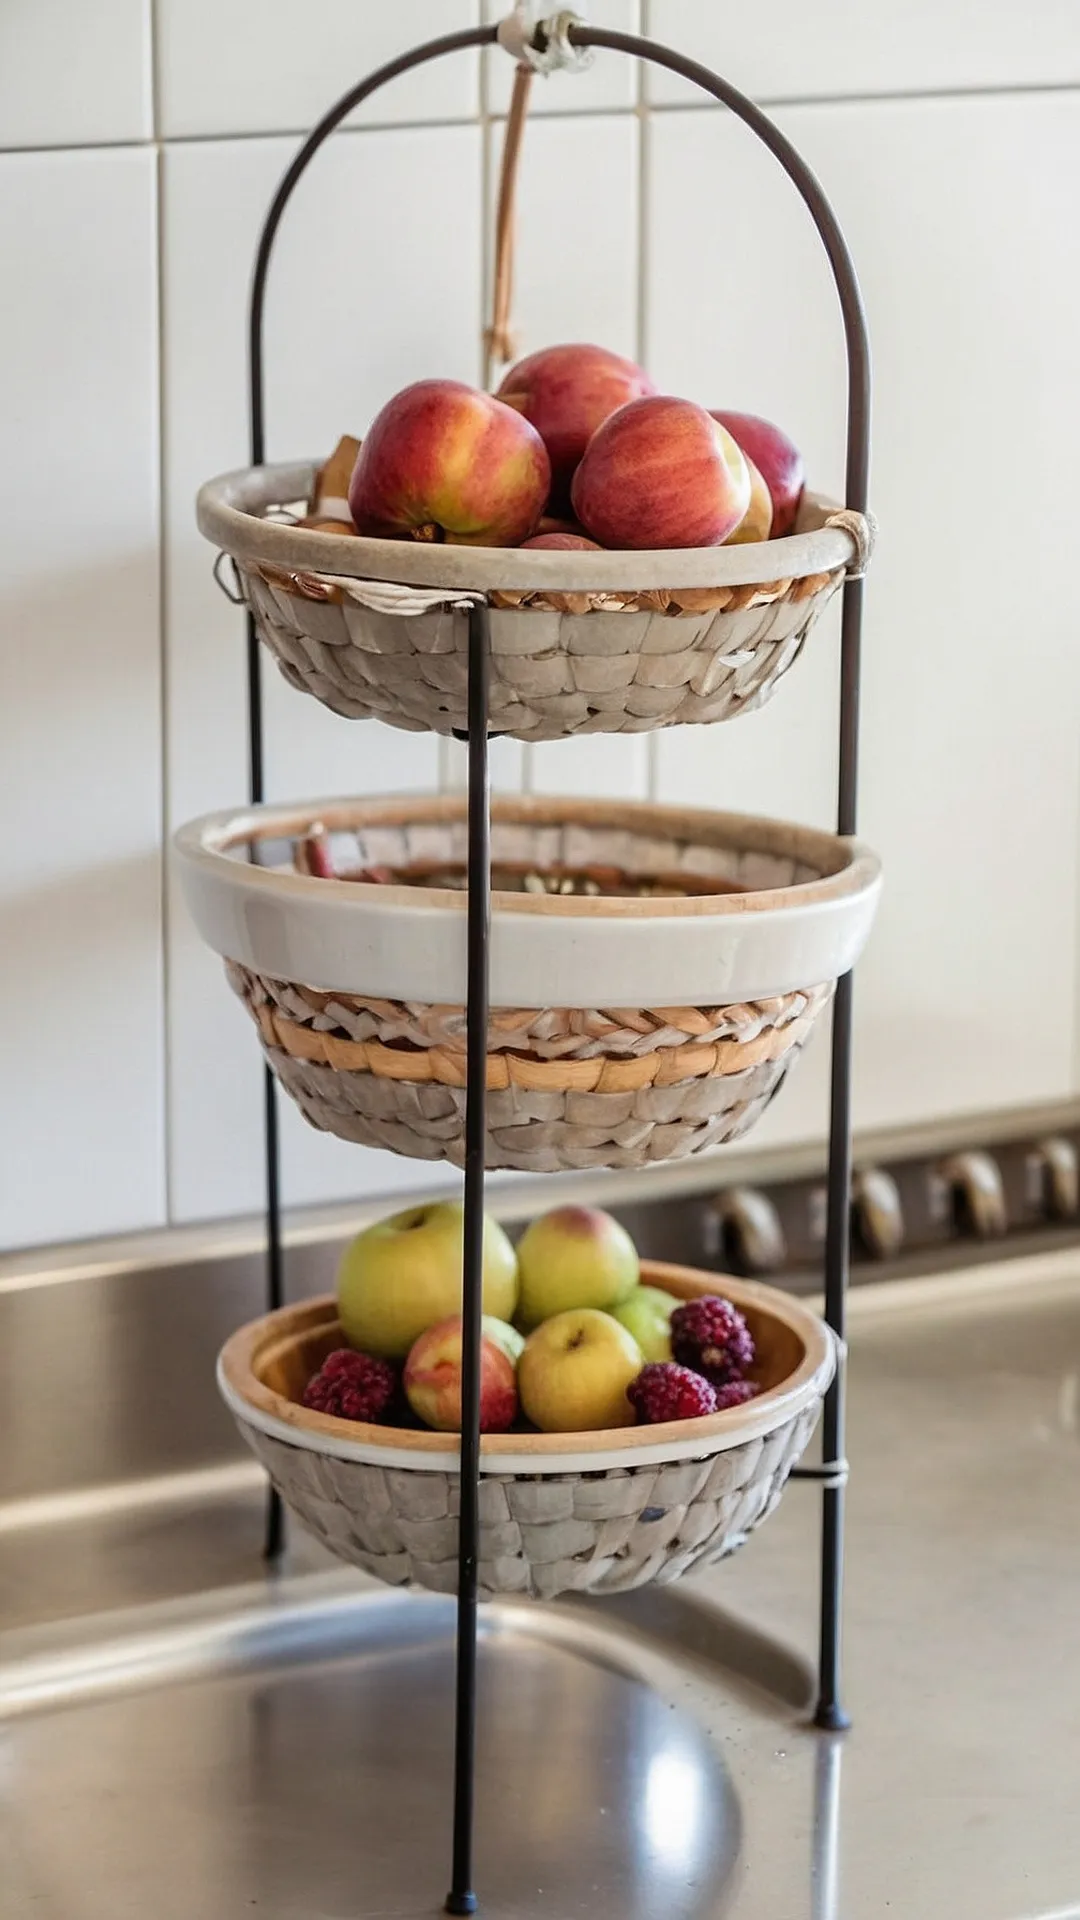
(735,1394)
(352,1386)
(711,1336)
(663,1391)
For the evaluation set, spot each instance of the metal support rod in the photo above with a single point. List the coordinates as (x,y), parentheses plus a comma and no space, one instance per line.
(829,1712)
(274,1538)
(462,1898)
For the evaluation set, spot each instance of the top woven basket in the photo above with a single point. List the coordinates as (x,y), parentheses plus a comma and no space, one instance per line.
(581,642)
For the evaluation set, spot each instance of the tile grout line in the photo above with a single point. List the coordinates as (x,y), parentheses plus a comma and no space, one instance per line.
(995,91)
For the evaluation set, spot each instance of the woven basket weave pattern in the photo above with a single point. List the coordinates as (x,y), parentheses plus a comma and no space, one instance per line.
(553,673)
(596,1093)
(603,1532)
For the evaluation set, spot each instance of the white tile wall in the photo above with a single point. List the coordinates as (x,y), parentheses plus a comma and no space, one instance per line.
(960,215)
(81,1107)
(346,326)
(270,66)
(72,75)
(845,47)
(971,759)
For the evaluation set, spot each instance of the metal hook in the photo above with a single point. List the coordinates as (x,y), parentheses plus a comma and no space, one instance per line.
(237,598)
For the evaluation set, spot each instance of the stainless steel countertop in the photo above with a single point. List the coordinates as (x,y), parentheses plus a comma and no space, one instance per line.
(278,1745)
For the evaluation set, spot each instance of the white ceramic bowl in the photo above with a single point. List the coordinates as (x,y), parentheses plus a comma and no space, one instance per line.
(803,919)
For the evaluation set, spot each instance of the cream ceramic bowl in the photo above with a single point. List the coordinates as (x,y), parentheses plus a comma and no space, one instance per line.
(802,916)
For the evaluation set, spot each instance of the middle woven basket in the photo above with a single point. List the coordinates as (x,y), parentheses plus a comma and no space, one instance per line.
(654,970)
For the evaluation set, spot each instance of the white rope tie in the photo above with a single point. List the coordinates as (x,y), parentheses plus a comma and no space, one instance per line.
(543,44)
(389,596)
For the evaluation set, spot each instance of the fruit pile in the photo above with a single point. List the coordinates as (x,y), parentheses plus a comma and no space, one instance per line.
(572,1342)
(576,450)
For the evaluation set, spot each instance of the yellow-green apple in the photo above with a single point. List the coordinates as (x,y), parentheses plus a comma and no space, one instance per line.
(756,523)
(574,1372)
(443,461)
(777,459)
(566,541)
(432,1380)
(661,473)
(404,1274)
(574,1257)
(567,392)
(647,1315)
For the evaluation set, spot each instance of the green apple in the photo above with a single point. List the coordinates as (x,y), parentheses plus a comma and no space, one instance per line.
(402,1275)
(574,1257)
(647,1315)
(508,1338)
(574,1372)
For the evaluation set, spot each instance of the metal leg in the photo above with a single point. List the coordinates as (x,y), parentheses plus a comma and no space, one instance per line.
(462,1898)
(274,1541)
(829,1713)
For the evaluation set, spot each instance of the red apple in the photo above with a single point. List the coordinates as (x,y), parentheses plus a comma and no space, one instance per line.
(432,1379)
(756,523)
(549,523)
(565,541)
(661,473)
(567,392)
(445,462)
(777,459)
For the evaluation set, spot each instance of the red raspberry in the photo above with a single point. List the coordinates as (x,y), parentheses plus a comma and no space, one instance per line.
(663,1391)
(711,1336)
(735,1394)
(352,1386)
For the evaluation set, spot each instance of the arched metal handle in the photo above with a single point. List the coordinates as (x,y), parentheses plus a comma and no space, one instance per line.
(817,204)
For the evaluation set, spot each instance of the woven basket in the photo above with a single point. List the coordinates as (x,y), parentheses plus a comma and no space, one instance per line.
(624,1030)
(581,642)
(584,1513)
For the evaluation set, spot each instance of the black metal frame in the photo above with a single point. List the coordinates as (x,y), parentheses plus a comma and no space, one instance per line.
(832,1476)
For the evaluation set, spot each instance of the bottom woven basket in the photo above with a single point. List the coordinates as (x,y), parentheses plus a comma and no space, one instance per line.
(573,1512)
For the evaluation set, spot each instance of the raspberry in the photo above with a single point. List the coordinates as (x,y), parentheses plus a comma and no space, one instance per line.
(663,1391)
(735,1394)
(352,1386)
(711,1336)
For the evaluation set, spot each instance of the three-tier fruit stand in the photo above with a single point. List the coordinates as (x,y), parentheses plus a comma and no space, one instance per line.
(354,995)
